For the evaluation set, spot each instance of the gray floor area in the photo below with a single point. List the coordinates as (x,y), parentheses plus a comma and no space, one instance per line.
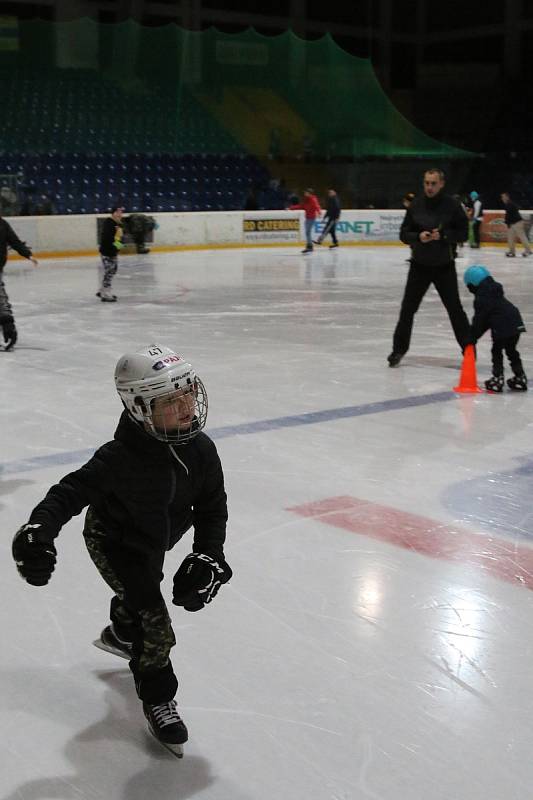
(375,641)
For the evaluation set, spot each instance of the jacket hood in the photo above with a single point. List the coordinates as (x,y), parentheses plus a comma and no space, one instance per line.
(489,288)
(133,435)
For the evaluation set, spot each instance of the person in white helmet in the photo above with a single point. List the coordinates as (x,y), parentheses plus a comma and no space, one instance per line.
(159,477)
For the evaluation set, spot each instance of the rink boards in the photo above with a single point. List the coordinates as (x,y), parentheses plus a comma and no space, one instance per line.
(77,233)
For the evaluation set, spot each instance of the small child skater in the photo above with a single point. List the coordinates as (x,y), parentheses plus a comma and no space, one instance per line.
(493,311)
(160,476)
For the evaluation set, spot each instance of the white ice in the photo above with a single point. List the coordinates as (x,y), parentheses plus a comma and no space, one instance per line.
(337,665)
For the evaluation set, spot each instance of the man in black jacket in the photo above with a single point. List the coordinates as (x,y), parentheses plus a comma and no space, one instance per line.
(160,476)
(330,218)
(8,238)
(515,227)
(433,224)
(110,244)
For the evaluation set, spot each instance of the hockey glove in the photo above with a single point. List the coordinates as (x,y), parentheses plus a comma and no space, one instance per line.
(198,579)
(10,333)
(118,244)
(34,554)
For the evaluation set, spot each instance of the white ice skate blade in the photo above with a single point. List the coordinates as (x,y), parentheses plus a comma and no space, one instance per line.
(110,649)
(175,749)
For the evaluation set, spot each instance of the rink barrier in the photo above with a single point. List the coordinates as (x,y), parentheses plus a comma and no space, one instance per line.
(75,235)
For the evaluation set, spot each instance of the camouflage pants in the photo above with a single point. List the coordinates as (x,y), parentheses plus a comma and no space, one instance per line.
(138,611)
(107,271)
(6,312)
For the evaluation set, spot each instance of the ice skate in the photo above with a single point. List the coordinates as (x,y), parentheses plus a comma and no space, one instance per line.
(494,384)
(394,358)
(518,383)
(166,726)
(111,643)
(106,296)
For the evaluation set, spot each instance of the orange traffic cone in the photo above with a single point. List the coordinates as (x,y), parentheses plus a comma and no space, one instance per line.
(468,379)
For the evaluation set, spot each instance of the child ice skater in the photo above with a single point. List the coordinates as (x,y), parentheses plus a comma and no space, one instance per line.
(110,244)
(493,311)
(8,238)
(160,476)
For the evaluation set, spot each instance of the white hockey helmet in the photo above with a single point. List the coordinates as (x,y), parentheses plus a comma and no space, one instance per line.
(160,390)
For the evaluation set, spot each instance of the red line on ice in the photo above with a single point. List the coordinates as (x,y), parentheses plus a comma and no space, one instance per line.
(497,557)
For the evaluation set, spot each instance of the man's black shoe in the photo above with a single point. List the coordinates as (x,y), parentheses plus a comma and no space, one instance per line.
(394,359)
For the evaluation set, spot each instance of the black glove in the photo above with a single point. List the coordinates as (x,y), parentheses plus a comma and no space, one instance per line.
(34,553)
(10,332)
(198,579)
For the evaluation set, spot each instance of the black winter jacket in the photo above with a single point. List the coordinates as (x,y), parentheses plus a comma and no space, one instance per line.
(493,310)
(109,230)
(427,213)
(333,207)
(145,493)
(8,238)
(512,214)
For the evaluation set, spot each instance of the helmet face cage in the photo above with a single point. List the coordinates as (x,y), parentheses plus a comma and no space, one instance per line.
(176,416)
(161,391)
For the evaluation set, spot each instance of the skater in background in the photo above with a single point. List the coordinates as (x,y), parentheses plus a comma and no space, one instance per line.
(492,311)
(515,227)
(476,217)
(407,199)
(9,204)
(159,477)
(312,209)
(139,226)
(110,244)
(330,219)
(433,224)
(8,238)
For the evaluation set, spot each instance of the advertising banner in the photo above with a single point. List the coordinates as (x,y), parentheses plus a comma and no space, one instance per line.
(493,228)
(272,226)
(366,226)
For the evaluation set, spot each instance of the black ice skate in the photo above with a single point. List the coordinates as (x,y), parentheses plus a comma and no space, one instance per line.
(518,383)
(394,359)
(494,384)
(110,642)
(106,296)
(167,726)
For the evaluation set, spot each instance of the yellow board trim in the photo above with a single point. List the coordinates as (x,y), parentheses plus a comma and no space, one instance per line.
(219,246)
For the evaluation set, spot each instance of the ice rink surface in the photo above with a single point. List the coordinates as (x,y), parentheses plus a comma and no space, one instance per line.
(376,640)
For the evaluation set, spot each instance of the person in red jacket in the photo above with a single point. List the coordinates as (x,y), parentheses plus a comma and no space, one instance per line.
(312,209)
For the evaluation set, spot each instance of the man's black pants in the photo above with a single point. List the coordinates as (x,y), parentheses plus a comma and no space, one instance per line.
(330,228)
(419,280)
